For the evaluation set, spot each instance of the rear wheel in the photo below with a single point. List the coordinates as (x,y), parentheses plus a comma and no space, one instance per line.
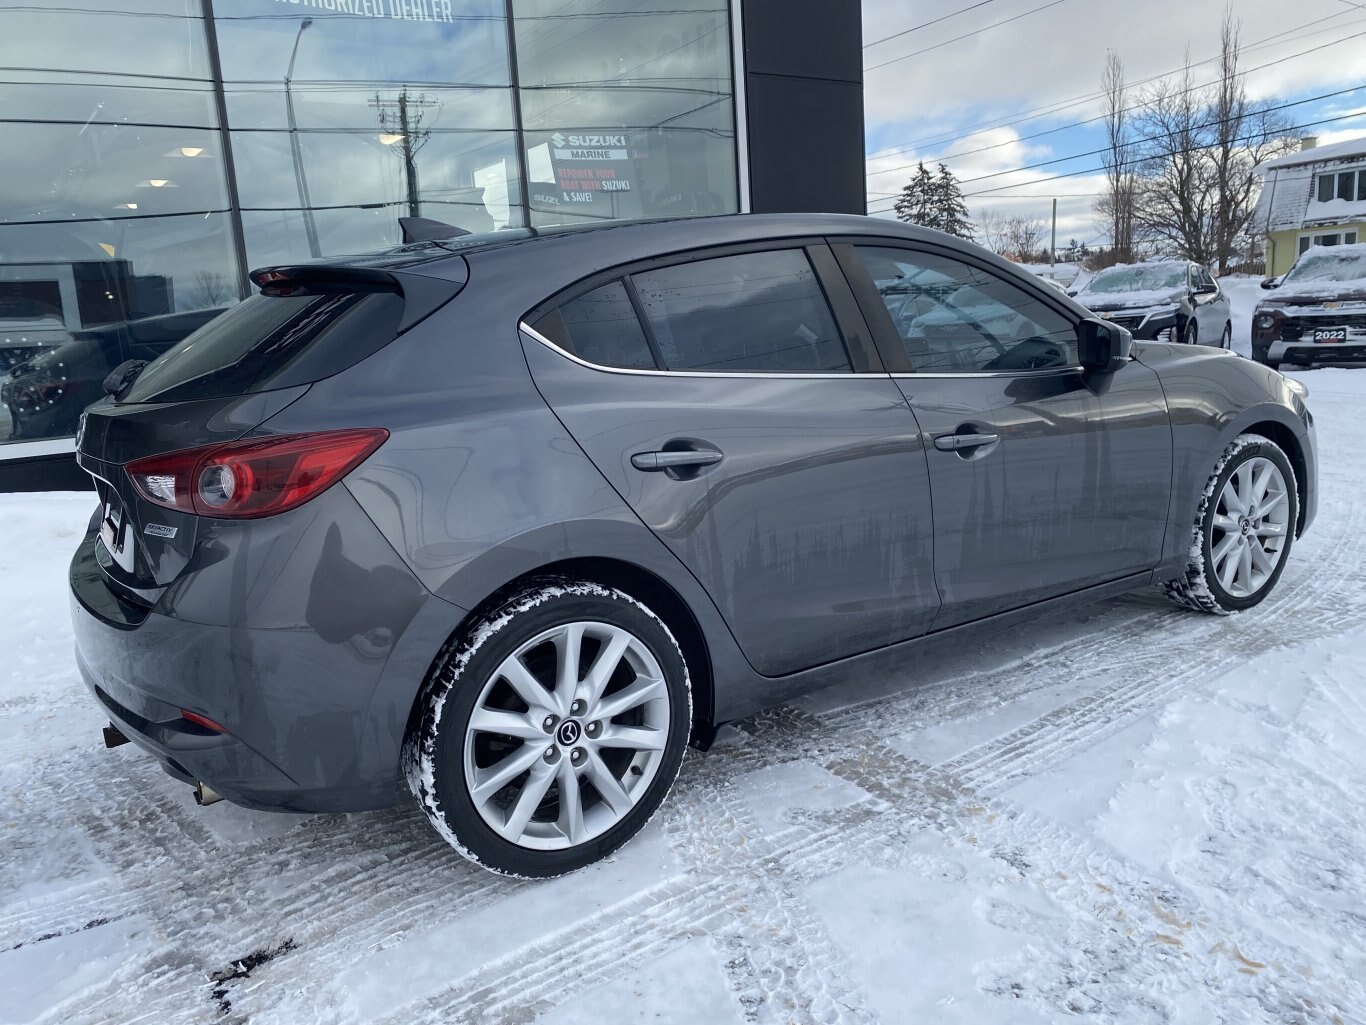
(550,732)
(1243,530)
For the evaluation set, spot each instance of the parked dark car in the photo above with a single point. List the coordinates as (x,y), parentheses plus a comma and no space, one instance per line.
(46,393)
(1317,312)
(513,517)
(1171,300)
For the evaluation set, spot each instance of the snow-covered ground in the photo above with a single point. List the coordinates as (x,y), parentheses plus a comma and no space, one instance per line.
(1127,814)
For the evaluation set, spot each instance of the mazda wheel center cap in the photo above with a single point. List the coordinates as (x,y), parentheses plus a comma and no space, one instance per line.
(569,733)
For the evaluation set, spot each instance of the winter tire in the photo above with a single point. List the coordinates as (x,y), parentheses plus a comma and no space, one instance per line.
(550,730)
(1243,531)
(1192,333)
(1226,341)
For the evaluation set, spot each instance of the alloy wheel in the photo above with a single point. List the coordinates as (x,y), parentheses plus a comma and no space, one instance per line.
(1250,527)
(567,735)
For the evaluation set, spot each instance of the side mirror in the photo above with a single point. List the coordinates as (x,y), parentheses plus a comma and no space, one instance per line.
(1269,282)
(1206,290)
(1103,347)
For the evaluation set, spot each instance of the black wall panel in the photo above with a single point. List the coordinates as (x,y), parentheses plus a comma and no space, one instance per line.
(804,100)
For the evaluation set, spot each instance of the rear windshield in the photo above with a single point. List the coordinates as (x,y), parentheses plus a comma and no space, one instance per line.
(270,342)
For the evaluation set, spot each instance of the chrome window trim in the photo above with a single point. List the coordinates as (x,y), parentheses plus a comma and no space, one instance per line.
(1042,372)
(531,332)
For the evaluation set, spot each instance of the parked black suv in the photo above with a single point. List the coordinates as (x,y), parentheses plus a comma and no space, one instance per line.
(1169,301)
(1318,314)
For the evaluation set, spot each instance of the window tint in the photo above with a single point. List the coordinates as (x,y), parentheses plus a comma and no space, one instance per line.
(955,318)
(753,312)
(601,327)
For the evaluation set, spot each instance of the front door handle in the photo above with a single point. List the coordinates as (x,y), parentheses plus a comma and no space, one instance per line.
(676,459)
(958,442)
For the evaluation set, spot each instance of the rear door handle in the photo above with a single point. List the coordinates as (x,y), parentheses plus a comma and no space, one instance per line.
(675,460)
(957,442)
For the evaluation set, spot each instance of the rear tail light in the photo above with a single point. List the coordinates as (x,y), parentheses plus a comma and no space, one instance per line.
(260,477)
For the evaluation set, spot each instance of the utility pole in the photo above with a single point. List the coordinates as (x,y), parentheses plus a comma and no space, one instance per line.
(300,179)
(401,120)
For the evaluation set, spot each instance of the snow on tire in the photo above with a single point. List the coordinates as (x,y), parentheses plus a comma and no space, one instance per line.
(1243,532)
(550,729)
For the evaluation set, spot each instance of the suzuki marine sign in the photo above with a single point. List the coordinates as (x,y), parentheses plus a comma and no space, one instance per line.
(589,165)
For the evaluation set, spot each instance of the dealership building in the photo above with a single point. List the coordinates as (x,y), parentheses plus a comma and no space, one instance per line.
(155,151)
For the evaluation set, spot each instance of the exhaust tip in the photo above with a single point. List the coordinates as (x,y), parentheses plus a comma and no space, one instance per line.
(113,736)
(205,795)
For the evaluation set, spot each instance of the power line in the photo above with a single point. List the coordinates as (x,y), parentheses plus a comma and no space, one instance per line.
(1034,113)
(1166,135)
(1126,110)
(965,35)
(1097,170)
(1151,138)
(927,24)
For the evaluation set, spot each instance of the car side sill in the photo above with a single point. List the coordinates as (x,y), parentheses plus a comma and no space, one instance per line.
(736,702)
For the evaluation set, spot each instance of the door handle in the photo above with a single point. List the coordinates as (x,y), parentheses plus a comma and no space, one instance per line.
(958,442)
(675,460)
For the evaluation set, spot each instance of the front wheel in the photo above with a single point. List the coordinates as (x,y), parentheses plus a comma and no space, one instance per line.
(1226,342)
(551,730)
(1243,530)
(1192,334)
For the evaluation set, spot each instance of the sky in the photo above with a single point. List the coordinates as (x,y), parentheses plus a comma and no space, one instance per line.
(964,101)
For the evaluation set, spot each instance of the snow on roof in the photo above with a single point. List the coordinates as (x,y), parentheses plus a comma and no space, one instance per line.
(1334,151)
(1284,199)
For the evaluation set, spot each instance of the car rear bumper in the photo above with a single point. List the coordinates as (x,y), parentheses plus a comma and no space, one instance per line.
(308,653)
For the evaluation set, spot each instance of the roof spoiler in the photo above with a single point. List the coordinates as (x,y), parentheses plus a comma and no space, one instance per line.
(422,295)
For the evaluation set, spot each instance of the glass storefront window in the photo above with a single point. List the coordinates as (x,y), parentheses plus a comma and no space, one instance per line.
(344,121)
(121,229)
(114,228)
(628,108)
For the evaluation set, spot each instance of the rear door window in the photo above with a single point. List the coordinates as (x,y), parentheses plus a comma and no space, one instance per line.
(601,327)
(272,341)
(753,312)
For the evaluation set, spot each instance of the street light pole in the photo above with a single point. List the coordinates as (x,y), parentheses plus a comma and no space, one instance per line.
(306,207)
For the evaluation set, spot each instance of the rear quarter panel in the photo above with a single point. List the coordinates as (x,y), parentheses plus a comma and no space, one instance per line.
(1213,396)
(479,483)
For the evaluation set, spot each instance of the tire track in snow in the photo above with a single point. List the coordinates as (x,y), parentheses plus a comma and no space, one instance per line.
(1149,920)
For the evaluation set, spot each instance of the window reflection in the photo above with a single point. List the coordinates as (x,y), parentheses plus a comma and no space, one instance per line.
(119,227)
(628,108)
(114,234)
(343,123)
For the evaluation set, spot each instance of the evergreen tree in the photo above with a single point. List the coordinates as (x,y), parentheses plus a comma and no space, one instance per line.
(953,212)
(918,203)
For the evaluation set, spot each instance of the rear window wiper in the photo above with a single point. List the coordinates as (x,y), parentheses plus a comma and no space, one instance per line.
(121,378)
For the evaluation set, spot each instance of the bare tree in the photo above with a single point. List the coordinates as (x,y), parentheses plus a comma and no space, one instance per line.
(1199,146)
(1246,135)
(991,229)
(210,288)
(1117,205)
(1023,237)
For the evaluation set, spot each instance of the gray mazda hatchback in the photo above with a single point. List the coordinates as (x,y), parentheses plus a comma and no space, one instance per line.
(513,517)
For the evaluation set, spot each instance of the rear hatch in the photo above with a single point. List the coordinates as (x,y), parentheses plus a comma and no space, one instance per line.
(230,376)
